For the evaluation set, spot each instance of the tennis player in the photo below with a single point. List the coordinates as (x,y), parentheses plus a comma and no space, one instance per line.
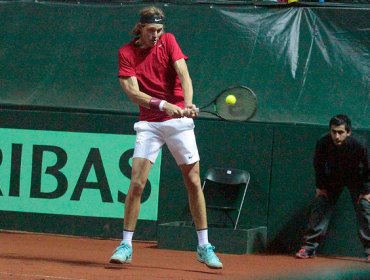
(154,75)
(340,160)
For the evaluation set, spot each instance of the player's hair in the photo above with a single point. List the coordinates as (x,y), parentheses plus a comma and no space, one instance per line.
(341,119)
(147,12)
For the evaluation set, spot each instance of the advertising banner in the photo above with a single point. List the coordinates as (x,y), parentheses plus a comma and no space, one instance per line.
(70,173)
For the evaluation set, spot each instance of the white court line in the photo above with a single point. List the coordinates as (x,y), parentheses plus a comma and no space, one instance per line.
(37,275)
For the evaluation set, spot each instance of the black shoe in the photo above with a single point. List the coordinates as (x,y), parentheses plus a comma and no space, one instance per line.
(305,254)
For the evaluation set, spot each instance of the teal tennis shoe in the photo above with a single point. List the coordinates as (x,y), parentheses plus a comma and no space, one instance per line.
(206,255)
(122,254)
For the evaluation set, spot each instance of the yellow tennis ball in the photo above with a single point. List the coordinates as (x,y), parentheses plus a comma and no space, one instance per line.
(230,99)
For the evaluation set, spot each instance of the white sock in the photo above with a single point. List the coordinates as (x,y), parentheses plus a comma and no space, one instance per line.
(202,237)
(127,237)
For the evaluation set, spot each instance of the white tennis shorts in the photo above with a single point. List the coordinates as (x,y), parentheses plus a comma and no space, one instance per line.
(177,134)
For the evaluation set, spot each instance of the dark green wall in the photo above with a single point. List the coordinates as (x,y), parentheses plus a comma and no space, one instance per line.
(279,158)
(223,144)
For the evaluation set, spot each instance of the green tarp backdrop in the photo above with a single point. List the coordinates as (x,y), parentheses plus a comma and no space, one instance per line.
(304,63)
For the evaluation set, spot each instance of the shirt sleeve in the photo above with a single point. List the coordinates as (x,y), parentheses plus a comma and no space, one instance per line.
(125,68)
(175,52)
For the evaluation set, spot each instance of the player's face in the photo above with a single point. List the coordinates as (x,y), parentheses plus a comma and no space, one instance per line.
(150,34)
(339,134)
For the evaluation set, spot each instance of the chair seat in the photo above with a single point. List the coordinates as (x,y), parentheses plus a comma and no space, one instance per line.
(224,208)
(224,190)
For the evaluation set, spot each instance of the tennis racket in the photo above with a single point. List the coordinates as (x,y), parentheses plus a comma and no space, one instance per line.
(241,108)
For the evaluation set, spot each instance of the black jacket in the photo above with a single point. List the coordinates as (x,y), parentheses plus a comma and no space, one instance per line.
(344,165)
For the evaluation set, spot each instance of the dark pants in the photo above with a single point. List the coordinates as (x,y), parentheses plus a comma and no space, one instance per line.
(321,213)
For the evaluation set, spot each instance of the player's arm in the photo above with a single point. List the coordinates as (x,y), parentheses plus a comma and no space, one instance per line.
(187,86)
(182,71)
(131,87)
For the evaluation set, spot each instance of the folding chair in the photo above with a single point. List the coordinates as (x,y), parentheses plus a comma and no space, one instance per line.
(224,190)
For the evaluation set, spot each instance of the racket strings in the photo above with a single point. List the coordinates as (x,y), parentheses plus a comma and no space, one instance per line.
(244,107)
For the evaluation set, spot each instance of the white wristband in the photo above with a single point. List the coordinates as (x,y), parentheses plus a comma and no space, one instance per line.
(161,105)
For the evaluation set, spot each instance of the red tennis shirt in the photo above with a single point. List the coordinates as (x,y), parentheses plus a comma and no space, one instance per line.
(153,68)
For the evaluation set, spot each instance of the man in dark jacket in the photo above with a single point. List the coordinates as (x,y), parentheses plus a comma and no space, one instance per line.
(340,161)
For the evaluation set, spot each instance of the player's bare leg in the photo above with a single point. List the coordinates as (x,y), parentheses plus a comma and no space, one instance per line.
(205,253)
(190,173)
(139,177)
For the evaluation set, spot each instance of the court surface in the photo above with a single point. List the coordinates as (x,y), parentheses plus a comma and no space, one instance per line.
(50,257)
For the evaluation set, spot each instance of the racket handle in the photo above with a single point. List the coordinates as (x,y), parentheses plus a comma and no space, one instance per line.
(196,110)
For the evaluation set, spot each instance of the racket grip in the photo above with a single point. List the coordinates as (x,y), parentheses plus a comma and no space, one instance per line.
(197,110)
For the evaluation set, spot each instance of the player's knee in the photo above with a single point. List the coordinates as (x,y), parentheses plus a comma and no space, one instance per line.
(137,188)
(193,185)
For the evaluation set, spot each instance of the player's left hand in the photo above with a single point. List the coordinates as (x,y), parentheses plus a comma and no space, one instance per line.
(173,110)
(364,196)
(321,192)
